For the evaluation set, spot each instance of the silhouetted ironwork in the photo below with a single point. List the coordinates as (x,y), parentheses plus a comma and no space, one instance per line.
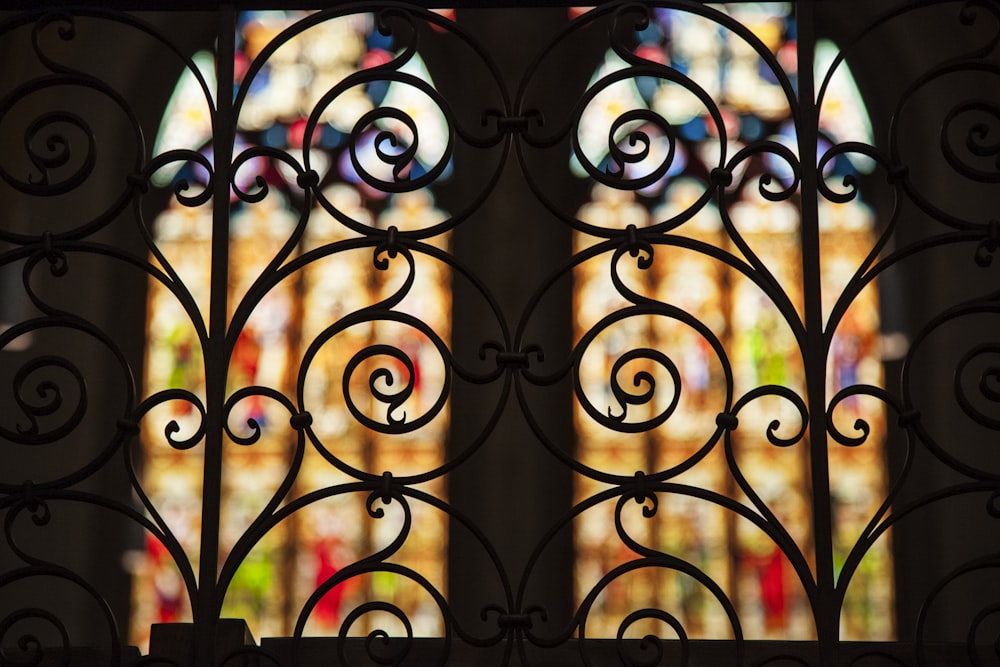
(49,394)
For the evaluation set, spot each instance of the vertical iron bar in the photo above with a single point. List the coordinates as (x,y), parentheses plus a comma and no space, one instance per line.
(206,610)
(814,356)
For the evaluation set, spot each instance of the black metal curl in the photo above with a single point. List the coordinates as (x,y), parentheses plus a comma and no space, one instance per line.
(989,384)
(384,495)
(968,16)
(66,32)
(252,423)
(378,312)
(647,307)
(58,154)
(639,138)
(616,177)
(624,397)
(993,505)
(241,160)
(640,19)
(387,250)
(30,644)
(971,567)
(978,140)
(55,398)
(27,499)
(48,147)
(860,425)
(408,42)
(392,401)
(181,186)
(782,151)
(58,265)
(775,424)
(51,401)
(375,562)
(661,561)
(762,276)
(268,516)
(650,503)
(640,379)
(650,642)
(850,181)
(978,621)
(989,245)
(920,342)
(41,515)
(370,565)
(172,427)
(642,251)
(394,658)
(400,160)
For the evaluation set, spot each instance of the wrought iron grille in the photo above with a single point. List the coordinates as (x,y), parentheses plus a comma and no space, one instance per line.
(76,117)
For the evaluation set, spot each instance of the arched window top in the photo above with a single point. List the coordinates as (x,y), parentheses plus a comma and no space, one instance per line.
(710,69)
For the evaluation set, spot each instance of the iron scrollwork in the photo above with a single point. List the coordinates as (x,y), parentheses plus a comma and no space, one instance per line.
(78,376)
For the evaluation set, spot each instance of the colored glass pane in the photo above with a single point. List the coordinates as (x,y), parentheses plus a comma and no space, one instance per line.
(723,305)
(284,327)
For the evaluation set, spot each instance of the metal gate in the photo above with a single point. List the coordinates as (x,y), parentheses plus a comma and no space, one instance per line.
(77,117)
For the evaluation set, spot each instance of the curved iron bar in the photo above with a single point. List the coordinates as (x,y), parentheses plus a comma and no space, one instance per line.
(391,72)
(382,309)
(666,562)
(644,486)
(873,530)
(571,220)
(767,283)
(57,144)
(637,67)
(975,307)
(256,531)
(163,533)
(31,642)
(616,424)
(924,204)
(985,562)
(988,378)
(644,306)
(50,392)
(781,537)
(33,496)
(870,267)
(384,486)
(966,17)
(613,245)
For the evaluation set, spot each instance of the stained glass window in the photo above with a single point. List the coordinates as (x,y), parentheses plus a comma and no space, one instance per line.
(722,306)
(719,306)
(302,319)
